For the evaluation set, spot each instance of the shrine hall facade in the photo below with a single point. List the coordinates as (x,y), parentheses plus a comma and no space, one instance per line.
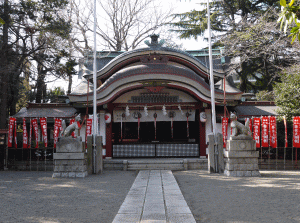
(154,101)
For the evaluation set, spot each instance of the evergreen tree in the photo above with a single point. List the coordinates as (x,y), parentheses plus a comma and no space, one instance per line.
(224,16)
(287,92)
(31,28)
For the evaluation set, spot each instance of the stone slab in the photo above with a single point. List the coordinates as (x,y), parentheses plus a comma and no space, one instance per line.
(68,145)
(240,145)
(241,154)
(127,218)
(240,137)
(240,160)
(173,210)
(254,173)
(68,156)
(179,218)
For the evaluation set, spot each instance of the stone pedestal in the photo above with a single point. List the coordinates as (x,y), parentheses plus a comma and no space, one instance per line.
(69,159)
(241,157)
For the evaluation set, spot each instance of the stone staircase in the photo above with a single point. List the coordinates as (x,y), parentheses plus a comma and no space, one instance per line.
(173,164)
(155,164)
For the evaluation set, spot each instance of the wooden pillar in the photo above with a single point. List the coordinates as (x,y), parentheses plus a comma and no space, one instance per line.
(110,109)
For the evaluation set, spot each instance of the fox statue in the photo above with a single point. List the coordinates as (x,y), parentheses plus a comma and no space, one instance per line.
(238,128)
(67,131)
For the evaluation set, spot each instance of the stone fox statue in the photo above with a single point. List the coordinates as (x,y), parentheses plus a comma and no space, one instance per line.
(67,131)
(238,128)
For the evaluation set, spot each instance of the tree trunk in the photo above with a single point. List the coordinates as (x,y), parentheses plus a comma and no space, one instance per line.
(70,84)
(4,65)
(40,83)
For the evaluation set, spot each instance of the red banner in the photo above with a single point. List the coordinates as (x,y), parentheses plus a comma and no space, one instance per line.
(57,129)
(43,122)
(25,135)
(11,132)
(273,132)
(250,124)
(285,131)
(36,131)
(15,136)
(30,134)
(265,131)
(224,130)
(256,131)
(88,130)
(296,132)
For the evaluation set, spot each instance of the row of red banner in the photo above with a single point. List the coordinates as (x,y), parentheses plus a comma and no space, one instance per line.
(264,131)
(27,136)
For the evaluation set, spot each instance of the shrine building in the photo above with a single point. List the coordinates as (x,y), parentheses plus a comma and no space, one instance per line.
(157,101)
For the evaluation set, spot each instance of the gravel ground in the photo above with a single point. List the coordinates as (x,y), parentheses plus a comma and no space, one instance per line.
(273,197)
(37,197)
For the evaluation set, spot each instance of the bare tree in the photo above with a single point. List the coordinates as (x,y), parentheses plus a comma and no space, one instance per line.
(122,24)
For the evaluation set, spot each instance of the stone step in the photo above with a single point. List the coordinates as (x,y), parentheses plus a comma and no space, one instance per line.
(156,166)
(155,161)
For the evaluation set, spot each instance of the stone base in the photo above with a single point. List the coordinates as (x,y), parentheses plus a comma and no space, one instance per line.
(241,158)
(69,174)
(240,173)
(69,159)
(70,168)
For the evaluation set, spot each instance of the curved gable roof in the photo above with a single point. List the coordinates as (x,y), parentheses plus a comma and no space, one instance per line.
(137,55)
(133,77)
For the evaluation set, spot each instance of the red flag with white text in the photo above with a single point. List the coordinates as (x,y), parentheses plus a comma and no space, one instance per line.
(224,130)
(273,132)
(250,124)
(57,129)
(11,128)
(256,131)
(88,130)
(15,135)
(25,135)
(35,129)
(296,132)
(285,132)
(265,131)
(43,122)
(30,134)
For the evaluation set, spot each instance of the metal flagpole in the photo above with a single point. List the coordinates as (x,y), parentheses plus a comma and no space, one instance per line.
(95,89)
(211,76)
(212,90)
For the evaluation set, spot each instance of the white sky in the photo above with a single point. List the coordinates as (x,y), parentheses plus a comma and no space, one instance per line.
(179,6)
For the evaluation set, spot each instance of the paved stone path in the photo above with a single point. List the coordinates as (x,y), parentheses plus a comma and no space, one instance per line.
(154,197)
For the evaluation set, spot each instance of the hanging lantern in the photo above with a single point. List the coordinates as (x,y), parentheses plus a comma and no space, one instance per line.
(203,117)
(107,118)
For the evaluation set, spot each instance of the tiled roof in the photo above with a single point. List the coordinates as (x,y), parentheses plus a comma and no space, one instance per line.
(256,110)
(46,110)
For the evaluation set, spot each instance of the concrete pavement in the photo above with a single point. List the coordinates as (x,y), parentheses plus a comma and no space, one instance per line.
(154,197)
